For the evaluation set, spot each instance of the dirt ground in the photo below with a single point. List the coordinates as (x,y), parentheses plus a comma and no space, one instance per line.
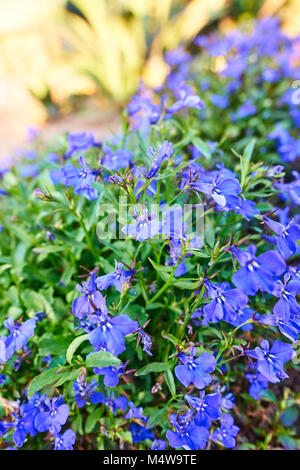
(18,111)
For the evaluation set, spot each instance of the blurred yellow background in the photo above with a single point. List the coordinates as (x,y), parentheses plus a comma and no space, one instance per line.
(73,65)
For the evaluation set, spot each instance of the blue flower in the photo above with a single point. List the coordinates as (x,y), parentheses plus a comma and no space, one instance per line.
(227,432)
(18,337)
(220,101)
(83,305)
(2,379)
(257,273)
(186,99)
(84,391)
(270,362)
(64,441)
(115,160)
(22,426)
(111,374)
(225,302)
(195,371)
(287,236)
(158,444)
(135,412)
(118,278)
(258,383)
(287,291)
(114,404)
(222,189)
(110,332)
(54,417)
(80,141)
(145,227)
(246,109)
(187,433)
(80,179)
(208,408)
(140,433)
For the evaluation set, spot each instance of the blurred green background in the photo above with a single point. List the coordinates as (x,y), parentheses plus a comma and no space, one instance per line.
(74,64)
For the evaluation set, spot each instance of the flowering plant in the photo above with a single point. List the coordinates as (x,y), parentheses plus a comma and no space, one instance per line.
(149,283)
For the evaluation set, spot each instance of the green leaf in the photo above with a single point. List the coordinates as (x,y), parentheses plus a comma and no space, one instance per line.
(245,160)
(289,416)
(170,381)
(102,359)
(47,377)
(152,367)
(54,345)
(202,146)
(68,376)
(92,419)
(74,346)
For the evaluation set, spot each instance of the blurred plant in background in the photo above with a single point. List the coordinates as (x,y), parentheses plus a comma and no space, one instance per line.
(63,51)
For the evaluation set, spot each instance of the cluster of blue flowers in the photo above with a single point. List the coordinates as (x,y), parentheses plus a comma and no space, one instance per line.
(200,305)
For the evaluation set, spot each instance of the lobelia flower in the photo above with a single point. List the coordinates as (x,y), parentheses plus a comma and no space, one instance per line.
(292,188)
(185,99)
(225,302)
(242,316)
(270,362)
(288,326)
(111,374)
(54,416)
(177,56)
(227,401)
(64,441)
(223,190)
(83,305)
(80,141)
(258,383)
(158,156)
(287,236)
(158,444)
(135,412)
(145,227)
(227,432)
(142,110)
(179,249)
(110,332)
(18,337)
(33,406)
(257,273)
(246,109)
(114,404)
(220,101)
(145,339)
(208,408)
(287,291)
(115,160)
(195,371)
(22,425)
(140,433)
(84,392)
(80,179)
(187,433)
(246,208)
(2,379)
(118,278)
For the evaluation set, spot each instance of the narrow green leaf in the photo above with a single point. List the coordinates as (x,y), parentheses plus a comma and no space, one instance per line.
(170,381)
(74,346)
(153,367)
